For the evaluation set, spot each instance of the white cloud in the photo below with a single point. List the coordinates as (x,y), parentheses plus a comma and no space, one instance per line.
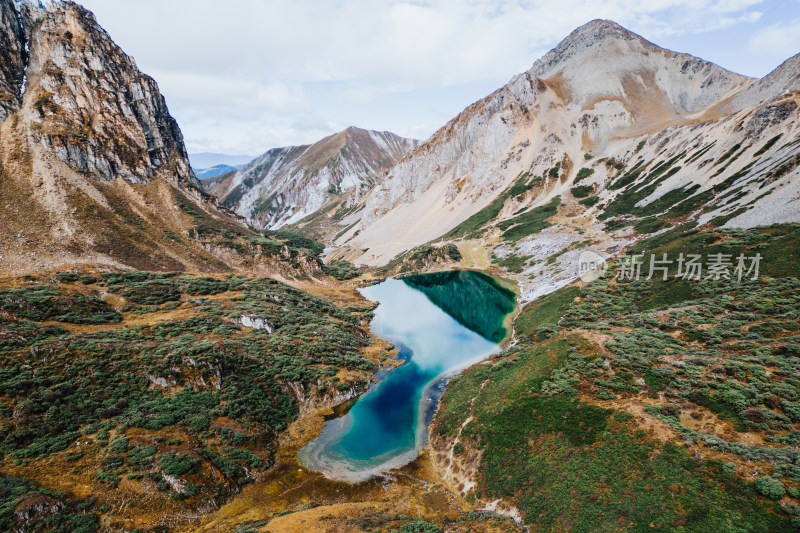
(247,72)
(782,39)
(433,43)
(239,96)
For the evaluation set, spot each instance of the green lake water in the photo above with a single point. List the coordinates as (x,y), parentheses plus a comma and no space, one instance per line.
(441,323)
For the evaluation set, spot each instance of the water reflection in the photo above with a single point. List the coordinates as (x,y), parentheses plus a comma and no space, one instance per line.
(474,299)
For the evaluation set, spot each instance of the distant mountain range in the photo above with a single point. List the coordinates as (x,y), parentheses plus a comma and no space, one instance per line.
(654,138)
(205,160)
(620,133)
(213,172)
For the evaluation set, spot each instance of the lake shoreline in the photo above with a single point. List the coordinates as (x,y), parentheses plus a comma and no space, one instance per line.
(352,448)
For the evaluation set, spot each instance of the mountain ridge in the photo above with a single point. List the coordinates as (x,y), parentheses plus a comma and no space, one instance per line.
(93,167)
(602,94)
(284,185)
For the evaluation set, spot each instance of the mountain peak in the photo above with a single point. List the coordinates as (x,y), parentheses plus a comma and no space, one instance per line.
(591,39)
(599,30)
(625,67)
(284,185)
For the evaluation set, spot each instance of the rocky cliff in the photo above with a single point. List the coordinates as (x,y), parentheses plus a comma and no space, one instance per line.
(91,106)
(93,167)
(284,185)
(13,58)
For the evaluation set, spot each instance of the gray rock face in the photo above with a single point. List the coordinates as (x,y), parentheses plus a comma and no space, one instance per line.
(85,98)
(13,58)
(603,93)
(286,184)
(634,85)
(622,64)
(783,79)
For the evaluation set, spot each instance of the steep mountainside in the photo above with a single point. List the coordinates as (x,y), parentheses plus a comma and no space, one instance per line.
(287,184)
(607,127)
(93,167)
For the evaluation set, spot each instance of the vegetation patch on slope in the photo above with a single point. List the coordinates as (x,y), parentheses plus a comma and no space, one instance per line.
(185,402)
(598,419)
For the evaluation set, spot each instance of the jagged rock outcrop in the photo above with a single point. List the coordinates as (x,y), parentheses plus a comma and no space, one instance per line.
(35,507)
(13,58)
(93,168)
(284,185)
(91,106)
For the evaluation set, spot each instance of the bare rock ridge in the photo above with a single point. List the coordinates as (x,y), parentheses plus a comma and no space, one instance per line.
(93,168)
(602,59)
(94,108)
(613,75)
(784,79)
(284,185)
(602,101)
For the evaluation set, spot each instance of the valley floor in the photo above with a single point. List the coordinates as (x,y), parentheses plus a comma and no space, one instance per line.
(143,401)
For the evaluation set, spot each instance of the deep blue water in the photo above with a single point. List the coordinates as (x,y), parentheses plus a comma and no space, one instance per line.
(387,426)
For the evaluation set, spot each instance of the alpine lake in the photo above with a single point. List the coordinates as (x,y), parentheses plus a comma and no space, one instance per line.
(440,324)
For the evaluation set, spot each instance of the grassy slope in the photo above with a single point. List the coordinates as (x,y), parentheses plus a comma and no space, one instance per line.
(175,405)
(557,426)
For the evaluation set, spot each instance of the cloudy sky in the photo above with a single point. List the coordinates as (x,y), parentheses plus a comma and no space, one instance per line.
(243,76)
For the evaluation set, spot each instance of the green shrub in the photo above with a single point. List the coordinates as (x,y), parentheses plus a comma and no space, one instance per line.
(420,526)
(512,263)
(770,487)
(302,242)
(152,292)
(203,286)
(582,191)
(119,445)
(178,464)
(342,270)
(530,222)
(583,174)
(67,277)
(42,303)
(245,456)
(623,417)
(110,479)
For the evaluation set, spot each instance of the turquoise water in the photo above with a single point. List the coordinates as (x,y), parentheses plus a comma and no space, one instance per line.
(440,323)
